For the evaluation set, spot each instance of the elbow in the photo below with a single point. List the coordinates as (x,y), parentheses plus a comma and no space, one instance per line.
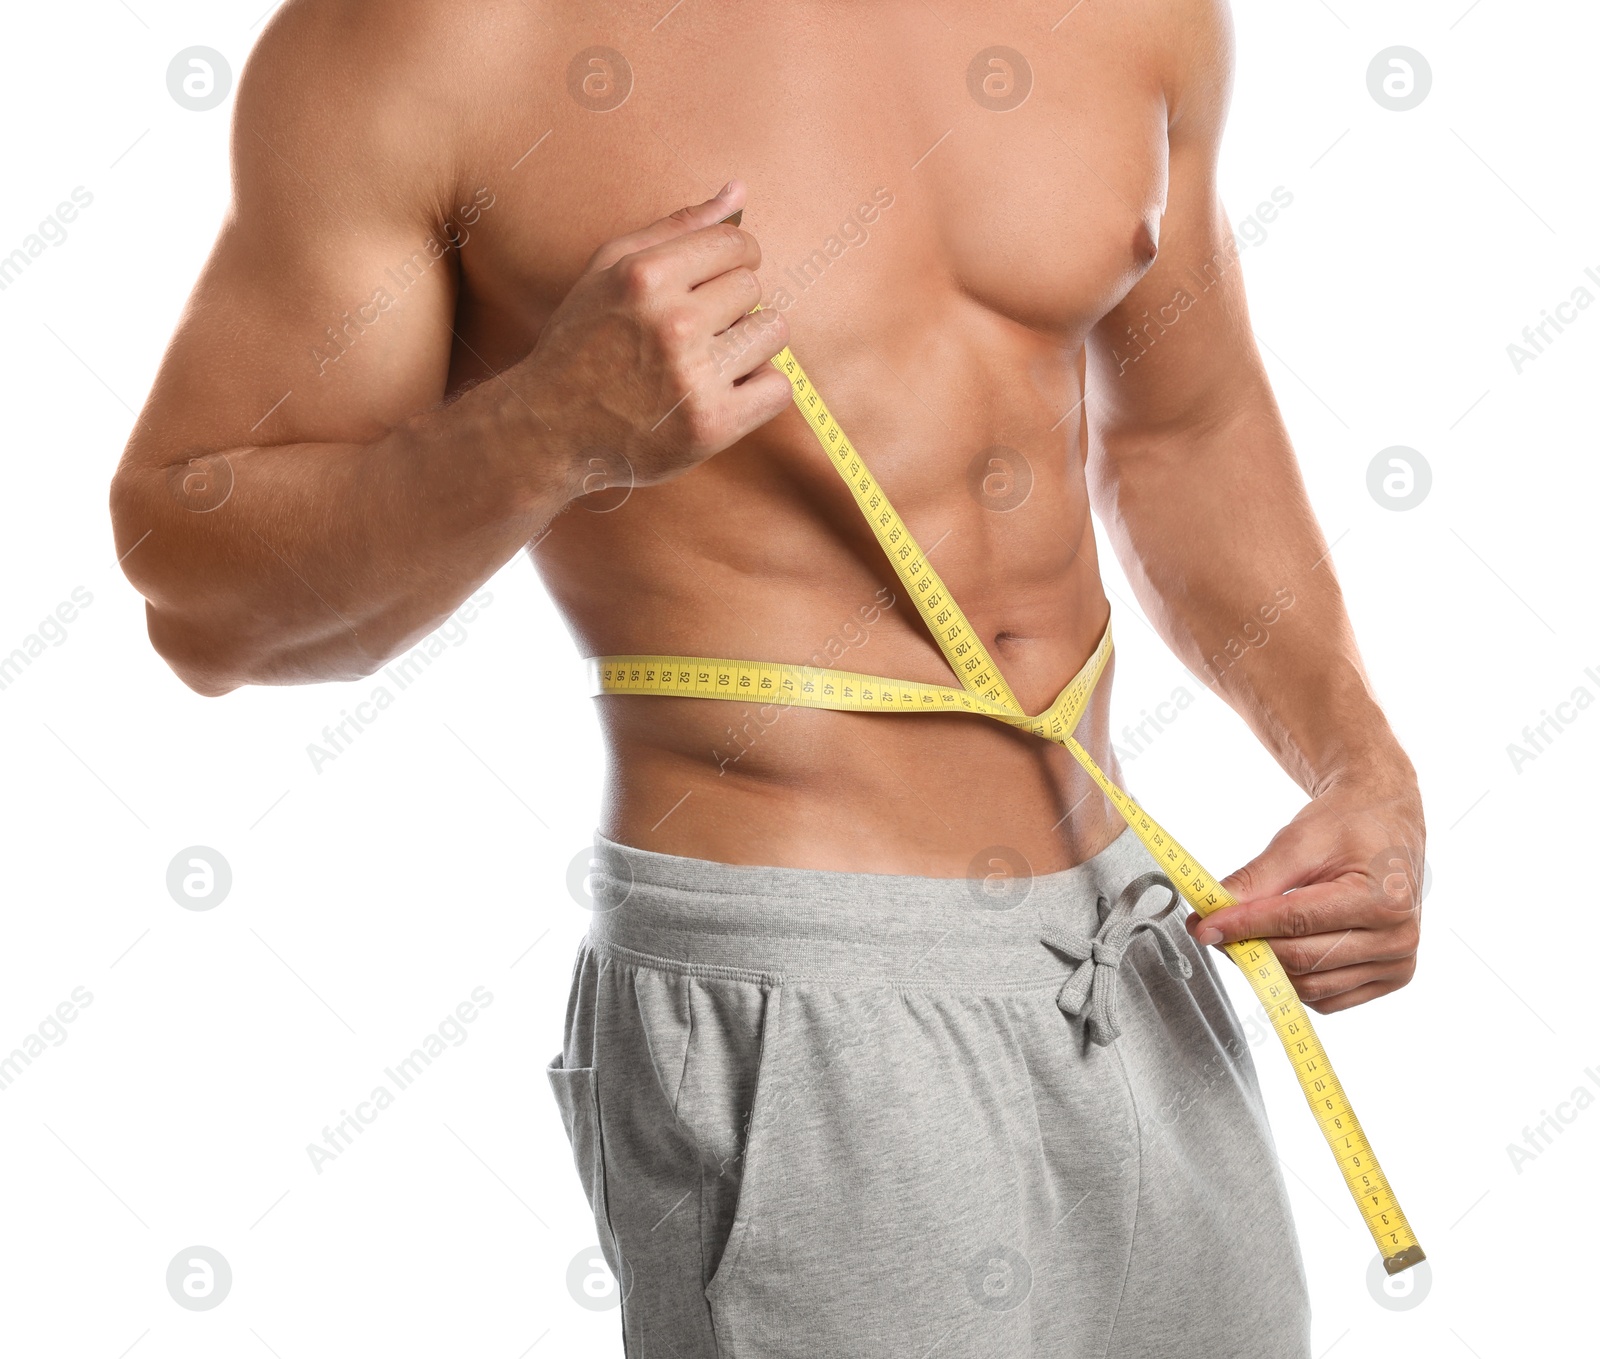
(220,629)
(196,659)
(215,657)
(199,657)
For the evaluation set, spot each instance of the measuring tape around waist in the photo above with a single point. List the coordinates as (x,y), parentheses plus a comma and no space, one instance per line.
(984,692)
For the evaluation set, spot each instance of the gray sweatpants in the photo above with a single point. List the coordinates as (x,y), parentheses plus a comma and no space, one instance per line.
(852,1115)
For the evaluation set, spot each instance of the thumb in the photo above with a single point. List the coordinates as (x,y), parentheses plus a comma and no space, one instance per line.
(728,201)
(1270,874)
(1279,868)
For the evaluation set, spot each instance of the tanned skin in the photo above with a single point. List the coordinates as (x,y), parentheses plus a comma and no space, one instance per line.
(572,337)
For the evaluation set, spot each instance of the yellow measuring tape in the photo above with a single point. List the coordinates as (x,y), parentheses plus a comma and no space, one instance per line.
(985,692)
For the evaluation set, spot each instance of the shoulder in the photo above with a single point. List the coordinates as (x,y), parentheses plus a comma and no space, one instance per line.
(1198,59)
(343,93)
(363,45)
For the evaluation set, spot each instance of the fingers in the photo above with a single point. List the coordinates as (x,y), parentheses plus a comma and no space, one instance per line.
(681,252)
(685,262)
(1339,945)
(748,344)
(764,394)
(1358,996)
(1334,897)
(1288,862)
(1327,992)
(1325,952)
(1318,909)
(729,199)
(725,299)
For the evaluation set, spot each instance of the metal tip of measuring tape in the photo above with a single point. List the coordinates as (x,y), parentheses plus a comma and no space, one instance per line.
(1411,1255)
(732,219)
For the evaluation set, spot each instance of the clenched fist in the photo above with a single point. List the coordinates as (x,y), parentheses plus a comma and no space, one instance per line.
(652,359)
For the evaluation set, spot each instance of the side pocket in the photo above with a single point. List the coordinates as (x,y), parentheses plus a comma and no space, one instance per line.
(754,1151)
(578,1100)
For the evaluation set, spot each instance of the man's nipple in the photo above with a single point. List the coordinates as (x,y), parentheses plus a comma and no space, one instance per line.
(1145,247)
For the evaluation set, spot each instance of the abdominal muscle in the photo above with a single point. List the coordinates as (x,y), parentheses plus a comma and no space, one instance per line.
(933,796)
(761,554)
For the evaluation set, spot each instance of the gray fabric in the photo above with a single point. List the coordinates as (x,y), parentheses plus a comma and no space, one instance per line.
(850,1115)
(1093,985)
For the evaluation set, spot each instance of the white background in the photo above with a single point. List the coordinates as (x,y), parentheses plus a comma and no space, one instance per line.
(370,898)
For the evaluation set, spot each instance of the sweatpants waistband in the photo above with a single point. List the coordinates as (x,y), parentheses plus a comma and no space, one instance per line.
(798,923)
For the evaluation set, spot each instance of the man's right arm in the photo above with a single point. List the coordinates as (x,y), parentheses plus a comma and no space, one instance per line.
(291,518)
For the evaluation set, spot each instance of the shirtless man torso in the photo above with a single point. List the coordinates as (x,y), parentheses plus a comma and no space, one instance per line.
(435,330)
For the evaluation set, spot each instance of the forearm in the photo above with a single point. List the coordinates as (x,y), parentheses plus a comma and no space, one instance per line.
(307,562)
(1216,534)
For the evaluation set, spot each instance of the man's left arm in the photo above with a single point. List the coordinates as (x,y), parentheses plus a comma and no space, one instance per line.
(1191,470)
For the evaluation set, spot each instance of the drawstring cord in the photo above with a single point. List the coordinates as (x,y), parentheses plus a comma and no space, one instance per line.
(1092,986)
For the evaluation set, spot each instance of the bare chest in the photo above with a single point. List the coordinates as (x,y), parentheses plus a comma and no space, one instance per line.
(896,165)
